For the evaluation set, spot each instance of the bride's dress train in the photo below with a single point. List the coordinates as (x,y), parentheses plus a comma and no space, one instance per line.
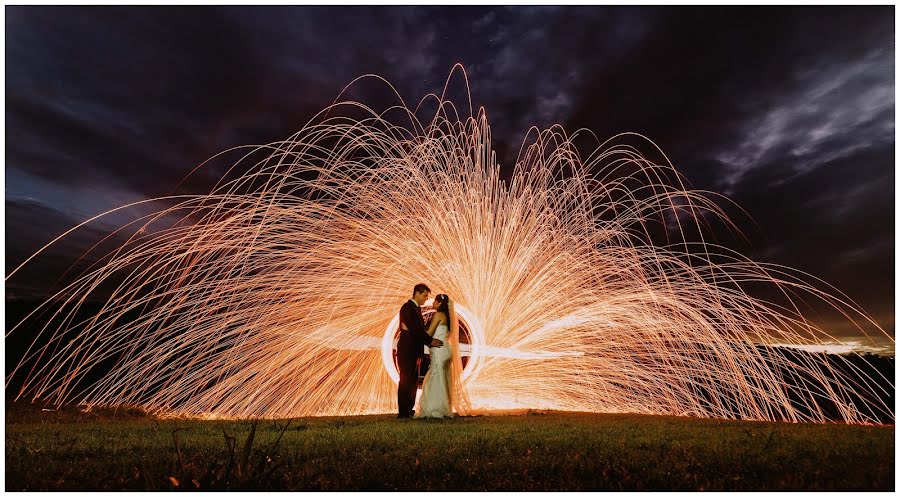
(435,399)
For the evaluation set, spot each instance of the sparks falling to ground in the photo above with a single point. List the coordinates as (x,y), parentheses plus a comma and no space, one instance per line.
(276,293)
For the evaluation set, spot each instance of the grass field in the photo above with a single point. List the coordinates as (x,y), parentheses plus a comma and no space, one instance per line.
(70,450)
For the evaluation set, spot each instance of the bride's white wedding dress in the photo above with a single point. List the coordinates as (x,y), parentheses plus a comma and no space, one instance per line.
(435,399)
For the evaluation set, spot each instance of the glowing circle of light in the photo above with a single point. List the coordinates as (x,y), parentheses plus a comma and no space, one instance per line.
(476,337)
(585,272)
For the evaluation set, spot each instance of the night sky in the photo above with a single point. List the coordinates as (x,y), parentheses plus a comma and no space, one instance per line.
(788,111)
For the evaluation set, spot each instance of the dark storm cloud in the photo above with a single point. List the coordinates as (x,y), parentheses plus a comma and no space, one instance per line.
(122,94)
(834,112)
(532,67)
(789,111)
(747,86)
(29,225)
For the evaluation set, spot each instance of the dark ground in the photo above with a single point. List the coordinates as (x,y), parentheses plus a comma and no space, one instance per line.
(71,450)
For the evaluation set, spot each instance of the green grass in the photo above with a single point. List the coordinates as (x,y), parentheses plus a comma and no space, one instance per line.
(69,450)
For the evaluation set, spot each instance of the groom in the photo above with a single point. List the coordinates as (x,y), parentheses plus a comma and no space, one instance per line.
(410,348)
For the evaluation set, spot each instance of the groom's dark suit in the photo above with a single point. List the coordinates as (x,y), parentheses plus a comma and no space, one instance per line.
(410,348)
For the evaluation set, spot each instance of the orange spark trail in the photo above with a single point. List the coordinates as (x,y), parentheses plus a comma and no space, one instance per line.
(276,293)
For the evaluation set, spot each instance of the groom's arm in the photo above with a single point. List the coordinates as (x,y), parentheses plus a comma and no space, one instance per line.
(407,319)
(428,336)
(414,324)
(418,329)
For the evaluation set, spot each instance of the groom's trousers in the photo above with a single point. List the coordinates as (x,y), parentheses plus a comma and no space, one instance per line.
(409,381)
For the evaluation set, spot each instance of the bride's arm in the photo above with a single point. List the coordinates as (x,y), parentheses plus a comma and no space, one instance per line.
(432,325)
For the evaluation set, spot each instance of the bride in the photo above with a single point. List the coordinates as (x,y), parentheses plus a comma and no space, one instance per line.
(438,388)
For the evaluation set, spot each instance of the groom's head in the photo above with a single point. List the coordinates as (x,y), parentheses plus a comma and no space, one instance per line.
(420,293)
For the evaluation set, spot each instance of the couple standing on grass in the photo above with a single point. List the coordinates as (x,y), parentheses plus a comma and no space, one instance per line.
(442,392)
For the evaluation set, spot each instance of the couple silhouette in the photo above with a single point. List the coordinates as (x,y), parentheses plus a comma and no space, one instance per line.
(414,337)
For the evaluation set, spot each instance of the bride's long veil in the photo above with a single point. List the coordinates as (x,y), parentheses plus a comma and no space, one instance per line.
(459,399)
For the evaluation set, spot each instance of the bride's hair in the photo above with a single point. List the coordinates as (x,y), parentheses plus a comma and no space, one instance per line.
(443,304)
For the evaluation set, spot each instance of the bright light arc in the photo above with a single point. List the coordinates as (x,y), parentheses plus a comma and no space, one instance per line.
(585,275)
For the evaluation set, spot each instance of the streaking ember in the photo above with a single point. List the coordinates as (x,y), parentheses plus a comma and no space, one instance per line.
(276,293)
